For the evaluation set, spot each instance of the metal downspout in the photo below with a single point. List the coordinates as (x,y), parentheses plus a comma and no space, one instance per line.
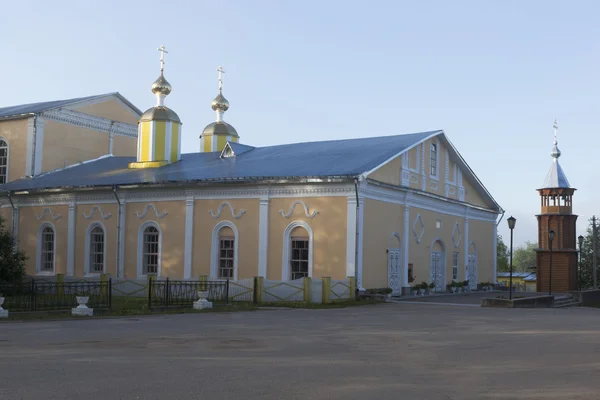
(356,239)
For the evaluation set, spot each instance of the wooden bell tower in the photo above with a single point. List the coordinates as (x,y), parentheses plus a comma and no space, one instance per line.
(557,216)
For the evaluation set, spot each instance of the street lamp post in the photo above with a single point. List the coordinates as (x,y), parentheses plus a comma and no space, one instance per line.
(551,237)
(580,238)
(511,225)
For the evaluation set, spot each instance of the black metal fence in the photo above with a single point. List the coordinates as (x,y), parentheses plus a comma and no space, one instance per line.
(44,295)
(168,293)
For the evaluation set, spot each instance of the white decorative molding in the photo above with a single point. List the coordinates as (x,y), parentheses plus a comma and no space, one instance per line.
(287,244)
(38,256)
(71,240)
(214,252)
(189,238)
(147,208)
(263,235)
(423,176)
(418,228)
(93,210)
(223,204)
(48,210)
(461,194)
(291,210)
(91,122)
(433,185)
(456,235)
(406,178)
(446,165)
(351,214)
(405,257)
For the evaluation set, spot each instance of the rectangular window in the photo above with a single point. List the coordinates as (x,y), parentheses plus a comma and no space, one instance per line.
(3,161)
(97,250)
(433,159)
(150,256)
(226,256)
(438,224)
(454,266)
(299,258)
(47,256)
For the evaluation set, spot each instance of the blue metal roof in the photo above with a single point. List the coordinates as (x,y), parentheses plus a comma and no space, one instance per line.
(336,158)
(34,108)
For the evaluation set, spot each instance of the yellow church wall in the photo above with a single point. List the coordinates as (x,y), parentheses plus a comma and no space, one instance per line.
(66,144)
(419,254)
(471,196)
(329,234)
(15,134)
(124,146)
(247,226)
(381,220)
(172,227)
(29,226)
(110,239)
(481,233)
(110,109)
(389,173)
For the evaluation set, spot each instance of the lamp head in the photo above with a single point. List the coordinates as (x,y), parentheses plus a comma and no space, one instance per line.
(511,222)
(551,234)
(580,238)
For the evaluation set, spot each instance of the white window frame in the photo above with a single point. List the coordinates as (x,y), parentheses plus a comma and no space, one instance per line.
(140,252)
(455,262)
(286,272)
(7,157)
(38,262)
(435,176)
(88,236)
(214,252)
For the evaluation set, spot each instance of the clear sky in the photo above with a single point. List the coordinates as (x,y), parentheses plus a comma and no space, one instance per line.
(492,74)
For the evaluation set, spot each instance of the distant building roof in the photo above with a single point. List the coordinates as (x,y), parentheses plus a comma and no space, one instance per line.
(36,108)
(524,275)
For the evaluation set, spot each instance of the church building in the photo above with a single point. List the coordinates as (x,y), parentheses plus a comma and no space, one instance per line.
(93,185)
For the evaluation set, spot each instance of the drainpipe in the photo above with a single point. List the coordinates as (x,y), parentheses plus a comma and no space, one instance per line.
(118,231)
(356,238)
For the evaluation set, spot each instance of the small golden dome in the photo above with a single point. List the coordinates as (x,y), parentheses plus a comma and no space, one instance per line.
(161,85)
(220,103)
(219,128)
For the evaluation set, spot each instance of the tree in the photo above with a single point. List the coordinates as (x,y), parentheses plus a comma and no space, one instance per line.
(12,261)
(524,258)
(501,255)
(587,259)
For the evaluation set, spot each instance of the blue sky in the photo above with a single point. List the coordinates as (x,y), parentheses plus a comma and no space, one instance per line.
(492,74)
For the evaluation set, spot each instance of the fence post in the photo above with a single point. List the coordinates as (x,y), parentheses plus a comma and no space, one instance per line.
(307,287)
(103,285)
(227,291)
(149,292)
(325,290)
(167,293)
(352,287)
(260,289)
(203,279)
(60,285)
(149,283)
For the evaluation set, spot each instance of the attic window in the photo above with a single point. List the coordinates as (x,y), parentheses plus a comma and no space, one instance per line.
(227,151)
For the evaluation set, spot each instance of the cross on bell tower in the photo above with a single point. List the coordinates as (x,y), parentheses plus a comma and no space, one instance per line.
(556,259)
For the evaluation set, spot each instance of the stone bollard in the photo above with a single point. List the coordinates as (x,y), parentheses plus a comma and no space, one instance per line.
(3,312)
(202,303)
(82,309)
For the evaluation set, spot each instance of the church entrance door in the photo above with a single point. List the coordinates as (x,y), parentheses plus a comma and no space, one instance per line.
(394,271)
(437,270)
(472,271)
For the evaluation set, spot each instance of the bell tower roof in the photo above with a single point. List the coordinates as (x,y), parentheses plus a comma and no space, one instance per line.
(556,177)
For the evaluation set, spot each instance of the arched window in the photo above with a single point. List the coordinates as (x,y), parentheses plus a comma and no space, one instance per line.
(433,159)
(224,252)
(151,253)
(96,250)
(46,249)
(297,251)
(3,161)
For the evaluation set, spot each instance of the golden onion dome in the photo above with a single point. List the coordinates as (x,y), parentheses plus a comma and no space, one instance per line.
(161,85)
(220,103)
(219,128)
(160,113)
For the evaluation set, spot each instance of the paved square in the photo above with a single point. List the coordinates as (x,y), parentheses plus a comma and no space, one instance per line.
(388,351)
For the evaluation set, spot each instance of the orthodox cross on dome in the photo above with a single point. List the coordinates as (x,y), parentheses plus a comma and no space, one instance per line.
(555,131)
(162,50)
(221,72)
